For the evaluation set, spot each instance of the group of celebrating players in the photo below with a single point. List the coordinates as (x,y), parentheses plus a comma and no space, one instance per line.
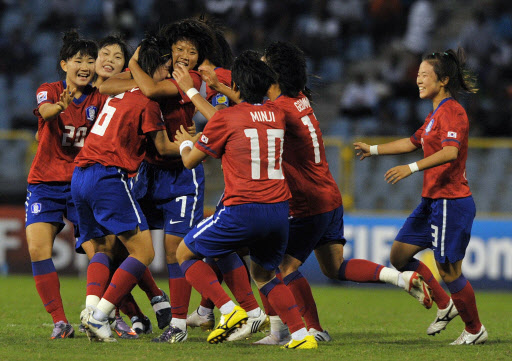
(119,155)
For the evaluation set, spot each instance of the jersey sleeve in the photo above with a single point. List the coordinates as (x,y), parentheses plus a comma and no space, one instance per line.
(152,119)
(45,94)
(453,128)
(416,137)
(214,137)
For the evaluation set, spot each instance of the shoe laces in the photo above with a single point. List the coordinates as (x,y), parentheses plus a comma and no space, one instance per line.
(169,332)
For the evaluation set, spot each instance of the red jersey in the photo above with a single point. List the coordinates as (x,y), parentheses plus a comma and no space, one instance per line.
(118,138)
(249,139)
(314,190)
(177,110)
(224,77)
(448,125)
(61,138)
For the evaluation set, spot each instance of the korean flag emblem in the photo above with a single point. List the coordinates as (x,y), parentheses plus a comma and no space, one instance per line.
(452,134)
(91,112)
(204,139)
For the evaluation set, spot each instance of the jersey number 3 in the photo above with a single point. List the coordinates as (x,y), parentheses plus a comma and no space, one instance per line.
(273,157)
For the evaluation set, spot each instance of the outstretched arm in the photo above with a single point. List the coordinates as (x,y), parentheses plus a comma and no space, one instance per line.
(399,146)
(118,84)
(49,111)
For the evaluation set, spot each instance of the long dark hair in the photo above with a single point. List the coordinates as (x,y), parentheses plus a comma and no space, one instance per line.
(154,51)
(452,64)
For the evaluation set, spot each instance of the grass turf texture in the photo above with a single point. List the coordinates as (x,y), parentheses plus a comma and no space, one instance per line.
(377,323)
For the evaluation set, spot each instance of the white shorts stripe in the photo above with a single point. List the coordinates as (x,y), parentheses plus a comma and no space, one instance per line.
(129,195)
(443,230)
(195,197)
(208,222)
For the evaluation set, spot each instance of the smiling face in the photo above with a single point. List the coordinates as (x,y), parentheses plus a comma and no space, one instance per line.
(79,70)
(185,53)
(429,85)
(110,61)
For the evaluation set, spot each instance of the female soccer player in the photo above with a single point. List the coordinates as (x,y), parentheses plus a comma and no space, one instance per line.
(66,111)
(113,57)
(248,137)
(105,204)
(444,218)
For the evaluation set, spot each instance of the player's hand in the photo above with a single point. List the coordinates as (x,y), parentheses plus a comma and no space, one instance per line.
(192,129)
(66,97)
(397,173)
(363,150)
(209,77)
(182,77)
(135,56)
(182,135)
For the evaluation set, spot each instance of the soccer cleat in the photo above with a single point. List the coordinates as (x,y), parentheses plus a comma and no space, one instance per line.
(467,338)
(253,325)
(62,330)
(172,334)
(307,342)
(206,322)
(96,330)
(81,328)
(444,316)
(141,325)
(227,324)
(320,335)
(273,339)
(418,288)
(123,330)
(162,309)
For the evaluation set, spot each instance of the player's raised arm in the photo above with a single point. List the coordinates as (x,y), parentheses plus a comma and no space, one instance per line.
(185,82)
(118,84)
(210,78)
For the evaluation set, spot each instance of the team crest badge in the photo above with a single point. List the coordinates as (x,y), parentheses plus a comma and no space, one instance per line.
(35,208)
(91,112)
(41,97)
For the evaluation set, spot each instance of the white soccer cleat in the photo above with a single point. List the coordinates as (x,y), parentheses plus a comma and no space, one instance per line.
(444,316)
(96,330)
(273,339)
(320,335)
(253,325)
(467,338)
(206,322)
(418,288)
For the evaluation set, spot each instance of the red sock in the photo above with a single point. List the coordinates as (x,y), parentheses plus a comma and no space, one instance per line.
(302,293)
(179,291)
(148,285)
(98,275)
(235,276)
(463,297)
(124,279)
(266,306)
(203,279)
(359,270)
(281,299)
(206,302)
(48,287)
(130,307)
(441,298)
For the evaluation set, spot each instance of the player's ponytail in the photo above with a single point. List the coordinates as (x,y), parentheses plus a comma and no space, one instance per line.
(73,44)
(452,64)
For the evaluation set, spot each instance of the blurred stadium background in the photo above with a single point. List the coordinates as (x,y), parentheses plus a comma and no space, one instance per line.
(363,57)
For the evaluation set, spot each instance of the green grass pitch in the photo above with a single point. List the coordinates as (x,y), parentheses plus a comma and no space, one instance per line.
(366,323)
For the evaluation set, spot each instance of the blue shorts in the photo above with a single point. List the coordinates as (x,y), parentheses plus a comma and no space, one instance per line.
(171,199)
(50,203)
(104,203)
(444,225)
(308,233)
(263,228)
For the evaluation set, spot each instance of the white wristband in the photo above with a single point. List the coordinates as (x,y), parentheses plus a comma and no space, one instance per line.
(191,92)
(414,167)
(374,150)
(185,144)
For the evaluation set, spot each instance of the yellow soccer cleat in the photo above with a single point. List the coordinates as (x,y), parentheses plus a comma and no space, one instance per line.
(227,324)
(307,342)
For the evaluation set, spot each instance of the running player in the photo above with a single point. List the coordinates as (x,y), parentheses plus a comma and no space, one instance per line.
(444,217)
(66,111)
(248,138)
(105,204)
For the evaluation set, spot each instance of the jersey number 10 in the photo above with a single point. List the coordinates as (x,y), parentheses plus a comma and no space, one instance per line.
(272,135)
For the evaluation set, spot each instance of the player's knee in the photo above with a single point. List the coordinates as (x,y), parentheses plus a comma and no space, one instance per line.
(397,260)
